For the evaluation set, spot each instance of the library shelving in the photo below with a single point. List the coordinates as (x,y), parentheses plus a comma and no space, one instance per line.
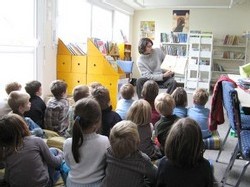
(199,61)
(125,50)
(85,69)
(175,44)
(70,68)
(228,54)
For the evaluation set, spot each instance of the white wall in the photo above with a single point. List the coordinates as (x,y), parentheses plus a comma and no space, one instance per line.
(220,21)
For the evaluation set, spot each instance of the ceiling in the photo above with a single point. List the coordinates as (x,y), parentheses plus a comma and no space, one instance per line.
(152,4)
(129,6)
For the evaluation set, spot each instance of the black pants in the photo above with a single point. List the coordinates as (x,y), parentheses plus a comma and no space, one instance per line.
(169,83)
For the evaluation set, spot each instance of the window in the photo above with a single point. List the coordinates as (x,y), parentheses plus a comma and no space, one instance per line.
(18,44)
(79,19)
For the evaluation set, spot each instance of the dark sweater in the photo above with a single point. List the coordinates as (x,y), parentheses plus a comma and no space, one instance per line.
(37,110)
(171,175)
(163,126)
(129,171)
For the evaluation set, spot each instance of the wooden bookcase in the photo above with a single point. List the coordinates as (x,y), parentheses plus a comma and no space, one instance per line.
(125,51)
(93,67)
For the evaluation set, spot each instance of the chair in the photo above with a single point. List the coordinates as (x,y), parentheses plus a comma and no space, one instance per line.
(126,66)
(242,148)
(227,88)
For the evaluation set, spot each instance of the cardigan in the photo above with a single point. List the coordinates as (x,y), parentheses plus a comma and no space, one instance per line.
(129,171)
(216,116)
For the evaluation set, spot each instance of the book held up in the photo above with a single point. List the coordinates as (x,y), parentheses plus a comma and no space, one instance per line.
(176,64)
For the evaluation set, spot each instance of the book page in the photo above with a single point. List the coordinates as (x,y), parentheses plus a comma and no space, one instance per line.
(177,64)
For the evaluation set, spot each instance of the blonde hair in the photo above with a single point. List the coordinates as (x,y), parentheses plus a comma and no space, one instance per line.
(124,138)
(140,112)
(127,91)
(164,104)
(17,99)
(200,96)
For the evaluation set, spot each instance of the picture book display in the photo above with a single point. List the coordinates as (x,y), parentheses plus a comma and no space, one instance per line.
(177,64)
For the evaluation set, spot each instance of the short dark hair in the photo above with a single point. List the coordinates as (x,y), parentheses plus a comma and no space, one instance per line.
(184,145)
(180,97)
(101,95)
(32,87)
(143,44)
(149,91)
(80,91)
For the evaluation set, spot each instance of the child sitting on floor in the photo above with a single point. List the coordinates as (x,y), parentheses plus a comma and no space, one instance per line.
(140,114)
(181,102)
(164,104)
(79,92)
(4,106)
(127,92)
(19,103)
(199,112)
(126,165)
(56,113)
(184,164)
(149,92)
(109,117)
(28,160)
(37,109)
(85,151)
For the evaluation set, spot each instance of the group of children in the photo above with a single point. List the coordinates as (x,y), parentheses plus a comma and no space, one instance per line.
(153,141)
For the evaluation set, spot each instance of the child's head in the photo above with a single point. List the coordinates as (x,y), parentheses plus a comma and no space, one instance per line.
(12,131)
(140,112)
(87,120)
(124,138)
(94,85)
(58,88)
(200,96)
(34,88)
(150,90)
(180,97)
(19,101)
(164,104)
(80,92)
(127,91)
(12,86)
(184,144)
(101,95)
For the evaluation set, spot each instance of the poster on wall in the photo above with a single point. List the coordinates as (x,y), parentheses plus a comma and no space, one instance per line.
(147,29)
(180,21)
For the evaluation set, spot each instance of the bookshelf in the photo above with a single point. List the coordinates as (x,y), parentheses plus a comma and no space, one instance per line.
(70,68)
(125,51)
(175,44)
(199,61)
(85,69)
(229,53)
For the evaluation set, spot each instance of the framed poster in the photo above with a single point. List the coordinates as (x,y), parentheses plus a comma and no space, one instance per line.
(147,29)
(180,21)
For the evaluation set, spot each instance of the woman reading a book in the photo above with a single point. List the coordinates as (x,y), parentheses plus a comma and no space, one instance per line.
(149,65)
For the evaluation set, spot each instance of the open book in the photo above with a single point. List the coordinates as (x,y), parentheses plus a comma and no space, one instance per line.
(177,64)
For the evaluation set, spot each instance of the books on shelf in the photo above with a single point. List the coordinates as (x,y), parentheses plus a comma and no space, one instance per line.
(77,48)
(173,37)
(231,40)
(177,64)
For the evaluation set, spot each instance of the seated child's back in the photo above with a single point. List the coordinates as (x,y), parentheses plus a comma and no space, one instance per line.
(180,98)
(199,112)
(56,113)
(127,92)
